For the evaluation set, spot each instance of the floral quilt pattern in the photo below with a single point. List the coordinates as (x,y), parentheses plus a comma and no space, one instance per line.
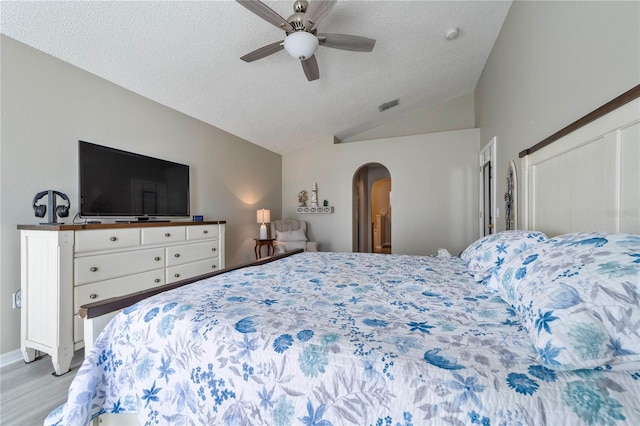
(577,295)
(336,339)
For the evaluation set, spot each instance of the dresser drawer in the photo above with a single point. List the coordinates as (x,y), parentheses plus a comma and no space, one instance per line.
(106,239)
(102,290)
(201,232)
(103,267)
(178,255)
(111,288)
(163,235)
(188,270)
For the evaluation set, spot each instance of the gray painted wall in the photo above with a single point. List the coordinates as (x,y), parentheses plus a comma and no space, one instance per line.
(553,63)
(48,105)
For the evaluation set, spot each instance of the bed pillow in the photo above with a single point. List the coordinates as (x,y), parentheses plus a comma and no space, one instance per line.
(577,295)
(287,236)
(489,253)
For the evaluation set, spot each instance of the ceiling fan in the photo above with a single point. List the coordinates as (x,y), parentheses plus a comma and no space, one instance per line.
(302,38)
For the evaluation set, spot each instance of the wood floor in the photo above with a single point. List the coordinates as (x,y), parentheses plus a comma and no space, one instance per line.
(29,392)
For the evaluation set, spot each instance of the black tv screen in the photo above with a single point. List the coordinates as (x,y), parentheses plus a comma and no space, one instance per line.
(123,184)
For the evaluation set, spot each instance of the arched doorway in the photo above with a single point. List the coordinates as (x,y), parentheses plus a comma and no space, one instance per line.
(372,209)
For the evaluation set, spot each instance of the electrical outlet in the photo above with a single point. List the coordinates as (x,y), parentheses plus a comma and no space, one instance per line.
(17,300)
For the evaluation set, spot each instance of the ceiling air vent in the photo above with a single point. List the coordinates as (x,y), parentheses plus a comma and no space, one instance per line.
(388,105)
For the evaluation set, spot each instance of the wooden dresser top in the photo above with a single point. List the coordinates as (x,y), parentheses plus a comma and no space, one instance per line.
(88,226)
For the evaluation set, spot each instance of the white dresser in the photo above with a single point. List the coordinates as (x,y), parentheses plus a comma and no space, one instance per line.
(66,266)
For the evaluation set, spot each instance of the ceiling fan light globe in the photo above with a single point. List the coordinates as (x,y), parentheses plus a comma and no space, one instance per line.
(301,44)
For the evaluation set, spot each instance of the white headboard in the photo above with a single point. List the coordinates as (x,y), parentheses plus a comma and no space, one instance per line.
(588,179)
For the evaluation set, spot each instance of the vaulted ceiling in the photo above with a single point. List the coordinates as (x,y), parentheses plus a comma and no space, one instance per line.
(186,55)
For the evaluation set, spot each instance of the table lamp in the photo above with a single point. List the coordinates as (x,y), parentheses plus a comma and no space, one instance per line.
(263,216)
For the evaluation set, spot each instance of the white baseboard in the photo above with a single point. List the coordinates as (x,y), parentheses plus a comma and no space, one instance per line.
(10,358)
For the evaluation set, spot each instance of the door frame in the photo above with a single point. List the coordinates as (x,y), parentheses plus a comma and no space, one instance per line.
(487,155)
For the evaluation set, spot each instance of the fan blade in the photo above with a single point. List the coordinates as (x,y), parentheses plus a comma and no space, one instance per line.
(347,42)
(263,11)
(316,12)
(310,67)
(267,50)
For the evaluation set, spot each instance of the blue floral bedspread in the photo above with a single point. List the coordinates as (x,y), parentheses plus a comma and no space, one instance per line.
(336,339)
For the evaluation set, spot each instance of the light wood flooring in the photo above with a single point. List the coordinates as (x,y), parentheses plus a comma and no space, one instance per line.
(29,392)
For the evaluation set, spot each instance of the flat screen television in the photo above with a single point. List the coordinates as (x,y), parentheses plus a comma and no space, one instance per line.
(116,183)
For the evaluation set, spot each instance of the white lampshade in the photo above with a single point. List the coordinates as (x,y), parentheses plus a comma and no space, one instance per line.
(301,44)
(263,216)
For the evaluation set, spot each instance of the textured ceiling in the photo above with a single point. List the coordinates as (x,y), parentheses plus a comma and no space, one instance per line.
(185,54)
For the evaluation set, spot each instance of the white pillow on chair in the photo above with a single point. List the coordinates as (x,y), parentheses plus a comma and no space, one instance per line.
(292,245)
(291,236)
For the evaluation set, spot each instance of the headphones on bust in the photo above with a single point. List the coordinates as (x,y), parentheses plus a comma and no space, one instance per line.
(40,210)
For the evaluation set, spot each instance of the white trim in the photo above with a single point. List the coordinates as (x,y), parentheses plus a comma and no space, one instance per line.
(9,358)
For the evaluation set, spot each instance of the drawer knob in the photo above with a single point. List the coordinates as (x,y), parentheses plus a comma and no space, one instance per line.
(113,239)
(214,249)
(177,255)
(167,234)
(93,269)
(213,266)
(205,232)
(157,280)
(157,259)
(93,296)
(177,275)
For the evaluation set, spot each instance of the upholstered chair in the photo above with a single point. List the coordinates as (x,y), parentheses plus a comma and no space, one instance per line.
(291,234)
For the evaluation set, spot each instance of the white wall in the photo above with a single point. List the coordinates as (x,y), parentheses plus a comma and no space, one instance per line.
(48,105)
(553,62)
(434,189)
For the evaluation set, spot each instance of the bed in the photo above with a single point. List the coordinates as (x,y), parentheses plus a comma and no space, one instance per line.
(524,327)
